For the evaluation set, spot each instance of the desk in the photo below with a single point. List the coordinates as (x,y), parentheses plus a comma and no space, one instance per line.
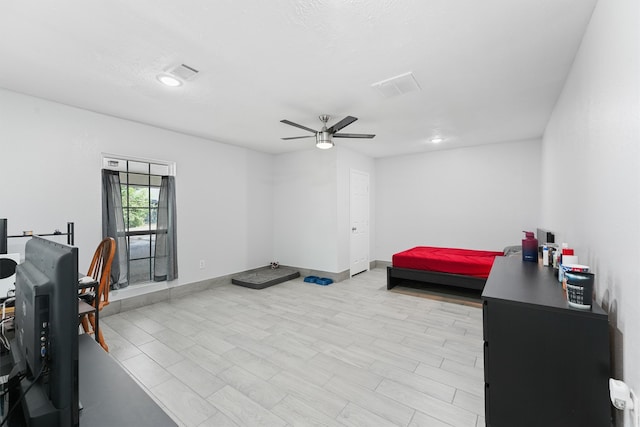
(109,396)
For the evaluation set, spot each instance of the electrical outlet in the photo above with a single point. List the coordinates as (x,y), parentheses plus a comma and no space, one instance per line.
(635,411)
(201,264)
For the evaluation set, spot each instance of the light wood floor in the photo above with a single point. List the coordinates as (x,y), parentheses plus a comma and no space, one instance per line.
(299,354)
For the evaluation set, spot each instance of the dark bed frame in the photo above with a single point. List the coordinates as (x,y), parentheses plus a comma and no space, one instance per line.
(397,275)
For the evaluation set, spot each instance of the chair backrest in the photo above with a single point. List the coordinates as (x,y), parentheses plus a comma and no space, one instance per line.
(100,269)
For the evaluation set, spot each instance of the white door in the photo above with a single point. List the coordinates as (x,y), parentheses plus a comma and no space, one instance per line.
(359,214)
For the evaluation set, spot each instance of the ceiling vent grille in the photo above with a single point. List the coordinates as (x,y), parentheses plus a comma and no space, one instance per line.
(183,72)
(398,85)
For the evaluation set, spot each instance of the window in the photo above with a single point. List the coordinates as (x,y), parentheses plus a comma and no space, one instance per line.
(140,193)
(140,184)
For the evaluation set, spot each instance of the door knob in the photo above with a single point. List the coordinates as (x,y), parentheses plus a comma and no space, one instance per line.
(353,229)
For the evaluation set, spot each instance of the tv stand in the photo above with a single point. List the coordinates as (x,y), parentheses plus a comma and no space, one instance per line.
(110,397)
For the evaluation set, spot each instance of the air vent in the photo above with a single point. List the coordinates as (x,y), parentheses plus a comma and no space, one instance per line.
(183,72)
(398,85)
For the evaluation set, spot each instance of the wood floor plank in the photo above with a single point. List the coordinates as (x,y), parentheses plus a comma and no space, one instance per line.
(436,408)
(299,414)
(355,416)
(260,391)
(423,420)
(197,378)
(364,377)
(375,402)
(328,403)
(351,353)
(188,406)
(256,365)
(242,410)
(422,384)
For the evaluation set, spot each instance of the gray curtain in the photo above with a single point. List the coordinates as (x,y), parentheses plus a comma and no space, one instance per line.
(113,226)
(166,253)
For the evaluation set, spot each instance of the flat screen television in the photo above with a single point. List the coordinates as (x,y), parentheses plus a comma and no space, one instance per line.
(46,328)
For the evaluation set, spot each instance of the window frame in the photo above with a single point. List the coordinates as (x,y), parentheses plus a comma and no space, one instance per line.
(122,165)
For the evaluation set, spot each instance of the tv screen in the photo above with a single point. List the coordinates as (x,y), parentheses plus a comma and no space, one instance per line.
(46,325)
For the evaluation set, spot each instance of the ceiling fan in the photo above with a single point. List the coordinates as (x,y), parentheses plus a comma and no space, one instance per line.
(324,136)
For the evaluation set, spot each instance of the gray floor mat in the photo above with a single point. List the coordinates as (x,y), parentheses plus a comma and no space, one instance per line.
(265,277)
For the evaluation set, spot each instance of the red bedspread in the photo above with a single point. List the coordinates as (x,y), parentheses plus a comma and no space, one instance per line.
(467,262)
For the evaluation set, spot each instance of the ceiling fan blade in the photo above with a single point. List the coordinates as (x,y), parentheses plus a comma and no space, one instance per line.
(290,123)
(298,137)
(342,123)
(353,135)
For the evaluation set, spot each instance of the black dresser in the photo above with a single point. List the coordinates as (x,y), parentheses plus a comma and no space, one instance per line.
(545,364)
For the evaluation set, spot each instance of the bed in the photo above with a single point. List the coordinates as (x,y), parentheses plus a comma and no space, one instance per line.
(465,268)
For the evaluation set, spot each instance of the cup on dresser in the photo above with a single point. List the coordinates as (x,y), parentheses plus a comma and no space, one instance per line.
(579,289)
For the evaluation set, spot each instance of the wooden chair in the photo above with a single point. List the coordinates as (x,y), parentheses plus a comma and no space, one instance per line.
(98,295)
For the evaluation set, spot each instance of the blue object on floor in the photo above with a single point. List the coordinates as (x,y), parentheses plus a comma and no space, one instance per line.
(322,281)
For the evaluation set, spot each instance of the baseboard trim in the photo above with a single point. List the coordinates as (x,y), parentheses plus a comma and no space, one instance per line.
(382,264)
(132,297)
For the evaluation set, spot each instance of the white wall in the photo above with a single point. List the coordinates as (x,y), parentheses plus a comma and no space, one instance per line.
(311,205)
(305,212)
(591,169)
(237,209)
(477,198)
(50,174)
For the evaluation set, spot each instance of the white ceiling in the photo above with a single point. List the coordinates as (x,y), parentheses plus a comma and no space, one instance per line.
(489,70)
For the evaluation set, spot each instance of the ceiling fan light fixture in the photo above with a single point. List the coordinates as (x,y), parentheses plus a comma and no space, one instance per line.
(323,140)
(324,137)
(437,139)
